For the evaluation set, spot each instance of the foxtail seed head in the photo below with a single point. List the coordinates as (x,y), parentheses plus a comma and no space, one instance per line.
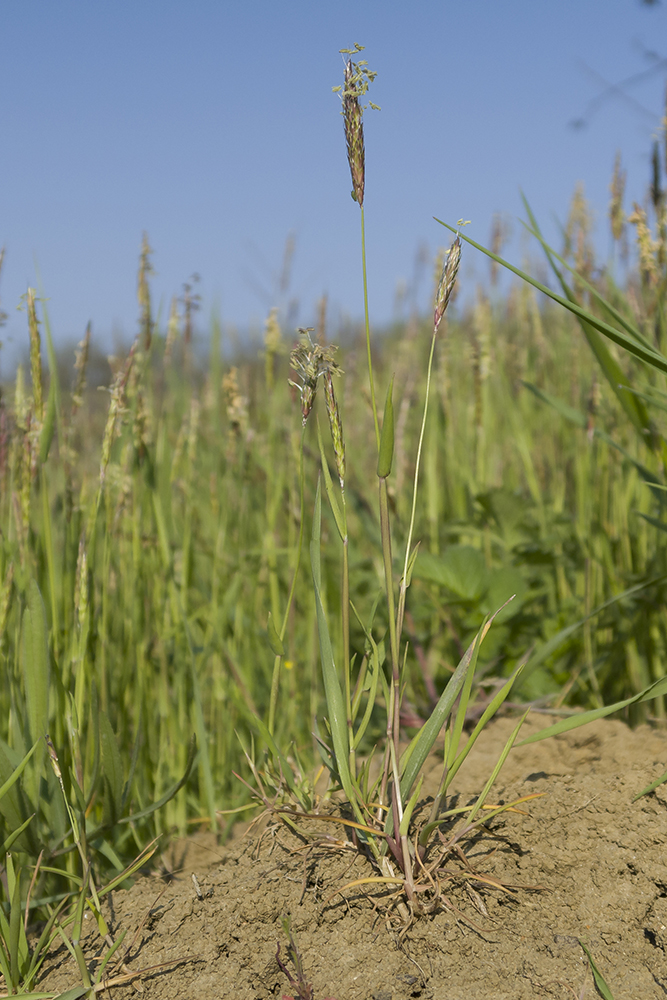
(447,281)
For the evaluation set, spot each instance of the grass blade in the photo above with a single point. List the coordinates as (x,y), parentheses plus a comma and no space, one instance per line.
(112,770)
(35,664)
(336,713)
(18,771)
(652,787)
(654,690)
(645,354)
(422,745)
(600,984)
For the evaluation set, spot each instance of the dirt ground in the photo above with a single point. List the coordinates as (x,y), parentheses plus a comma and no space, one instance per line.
(599,858)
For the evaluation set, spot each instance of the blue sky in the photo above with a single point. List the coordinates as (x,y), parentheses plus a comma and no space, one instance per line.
(212,126)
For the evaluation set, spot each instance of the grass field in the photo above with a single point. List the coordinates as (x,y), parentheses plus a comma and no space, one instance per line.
(150,537)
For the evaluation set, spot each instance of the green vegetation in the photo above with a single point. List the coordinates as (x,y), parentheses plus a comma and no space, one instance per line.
(159,612)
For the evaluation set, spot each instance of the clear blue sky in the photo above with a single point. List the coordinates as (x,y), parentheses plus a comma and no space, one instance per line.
(212,125)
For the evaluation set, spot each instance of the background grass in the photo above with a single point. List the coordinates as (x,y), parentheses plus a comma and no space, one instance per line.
(146,533)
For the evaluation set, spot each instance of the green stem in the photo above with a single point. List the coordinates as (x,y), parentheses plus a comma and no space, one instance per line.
(398,818)
(275,680)
(404,584)
(394,709)
(345,600)
(368,331)
(48,545)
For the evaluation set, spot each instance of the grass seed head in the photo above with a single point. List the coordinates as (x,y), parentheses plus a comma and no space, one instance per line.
(578,233)
(616,213)
(447,281)
(336,425)
(81,586)
(310,360)
(354,134)
(80,366)
(500,234)
(273,345)
(357,80)
(35,356)
(646,245)
(173,327)
(236,403)
(144,292)
(191,304)
(116,411)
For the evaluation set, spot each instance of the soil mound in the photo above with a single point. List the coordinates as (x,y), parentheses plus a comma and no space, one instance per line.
(599,859)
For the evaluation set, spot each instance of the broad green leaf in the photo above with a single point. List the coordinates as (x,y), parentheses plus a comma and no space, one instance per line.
(505,583)
(461,569)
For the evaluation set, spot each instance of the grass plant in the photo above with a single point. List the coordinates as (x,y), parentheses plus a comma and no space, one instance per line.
(412,857)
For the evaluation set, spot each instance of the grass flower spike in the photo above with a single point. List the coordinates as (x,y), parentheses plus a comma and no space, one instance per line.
(357,80)
(354,133)
(311,360)
(447,281)
(336,425)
